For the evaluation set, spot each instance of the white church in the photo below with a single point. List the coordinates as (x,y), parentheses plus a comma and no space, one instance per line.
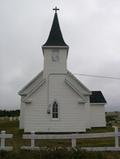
(55,101)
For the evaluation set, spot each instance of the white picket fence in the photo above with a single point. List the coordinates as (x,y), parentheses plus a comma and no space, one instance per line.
(73,138)
(3,137)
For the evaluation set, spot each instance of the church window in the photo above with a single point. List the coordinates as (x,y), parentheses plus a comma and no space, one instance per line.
(55,110)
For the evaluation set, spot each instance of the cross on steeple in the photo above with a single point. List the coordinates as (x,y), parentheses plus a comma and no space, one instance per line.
(55,37)
(56,9)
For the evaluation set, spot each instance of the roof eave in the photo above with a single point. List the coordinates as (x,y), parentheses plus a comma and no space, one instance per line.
(54,47)
(98,103)
(21,92)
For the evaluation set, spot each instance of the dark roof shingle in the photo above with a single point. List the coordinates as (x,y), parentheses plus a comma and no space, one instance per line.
(97,97)
(55,37)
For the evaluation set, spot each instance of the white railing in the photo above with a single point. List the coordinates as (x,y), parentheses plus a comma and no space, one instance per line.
(3,137)
(74,138)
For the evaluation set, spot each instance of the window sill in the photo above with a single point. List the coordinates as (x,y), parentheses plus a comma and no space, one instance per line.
(54,119)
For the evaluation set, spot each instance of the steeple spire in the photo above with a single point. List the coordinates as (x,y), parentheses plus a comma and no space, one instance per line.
(55,37)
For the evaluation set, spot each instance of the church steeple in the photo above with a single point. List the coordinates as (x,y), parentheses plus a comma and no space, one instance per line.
(55,50)
(55,37)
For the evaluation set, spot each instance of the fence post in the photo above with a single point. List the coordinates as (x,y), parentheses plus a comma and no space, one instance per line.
(3,139)
(73,140)
(32,139)
(116,136)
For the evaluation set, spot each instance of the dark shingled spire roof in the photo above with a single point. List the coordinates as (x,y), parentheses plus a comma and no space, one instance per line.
(55,37)
(97,97)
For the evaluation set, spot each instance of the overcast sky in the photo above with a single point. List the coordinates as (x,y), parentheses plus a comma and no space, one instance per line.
(91,28)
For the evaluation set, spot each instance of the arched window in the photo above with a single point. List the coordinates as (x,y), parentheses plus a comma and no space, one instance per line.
(55,110)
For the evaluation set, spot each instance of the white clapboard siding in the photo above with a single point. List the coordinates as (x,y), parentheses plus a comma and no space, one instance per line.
(54,67)
(72,115)
(97,115)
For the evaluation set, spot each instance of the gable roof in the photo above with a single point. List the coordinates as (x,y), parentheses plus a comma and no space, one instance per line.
(97,97)
(34,89)
(77,84)
(33,83)
(55,37)
(76,90)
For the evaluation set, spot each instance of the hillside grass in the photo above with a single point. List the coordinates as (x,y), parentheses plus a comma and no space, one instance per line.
(53,151)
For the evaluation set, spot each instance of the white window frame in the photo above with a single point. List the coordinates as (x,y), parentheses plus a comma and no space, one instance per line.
(55,112)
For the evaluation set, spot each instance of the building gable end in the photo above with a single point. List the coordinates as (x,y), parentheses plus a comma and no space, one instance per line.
(76,90)
(34,90)
(78,84)
(29,86)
